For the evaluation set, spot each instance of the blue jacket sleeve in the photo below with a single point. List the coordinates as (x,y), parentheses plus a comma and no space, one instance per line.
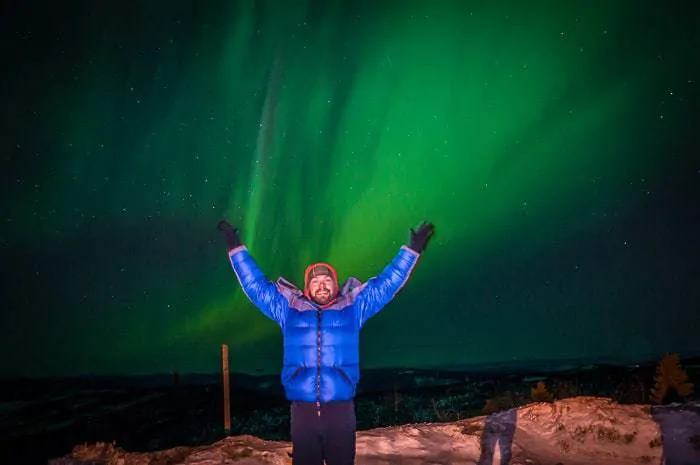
(259,290)
(380,290)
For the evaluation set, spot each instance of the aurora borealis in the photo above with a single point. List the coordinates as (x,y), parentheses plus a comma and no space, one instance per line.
(553,145)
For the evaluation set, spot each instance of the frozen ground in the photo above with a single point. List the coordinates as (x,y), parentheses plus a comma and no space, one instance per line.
(575,431)
(47,418)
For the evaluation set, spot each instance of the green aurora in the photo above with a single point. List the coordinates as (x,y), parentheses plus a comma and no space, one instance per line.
(536,136)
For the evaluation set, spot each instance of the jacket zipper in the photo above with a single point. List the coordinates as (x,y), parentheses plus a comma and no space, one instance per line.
(318,362)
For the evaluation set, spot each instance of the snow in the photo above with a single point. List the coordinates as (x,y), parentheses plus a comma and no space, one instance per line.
(574,431)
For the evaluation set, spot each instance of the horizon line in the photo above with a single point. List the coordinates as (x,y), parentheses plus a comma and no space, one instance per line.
(567,364)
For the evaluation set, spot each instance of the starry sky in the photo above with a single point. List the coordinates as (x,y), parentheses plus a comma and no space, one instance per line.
(553,145)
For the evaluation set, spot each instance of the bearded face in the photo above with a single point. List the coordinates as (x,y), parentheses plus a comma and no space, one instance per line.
(322,289)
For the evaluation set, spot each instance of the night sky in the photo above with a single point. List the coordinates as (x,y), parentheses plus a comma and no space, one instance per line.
(553,145)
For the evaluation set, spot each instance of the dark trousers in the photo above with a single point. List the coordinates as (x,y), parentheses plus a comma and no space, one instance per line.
(329,436)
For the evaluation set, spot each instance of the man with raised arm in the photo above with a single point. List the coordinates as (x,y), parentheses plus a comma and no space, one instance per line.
(321,328)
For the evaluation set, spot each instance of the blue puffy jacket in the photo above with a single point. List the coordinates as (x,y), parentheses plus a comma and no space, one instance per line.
(321,345)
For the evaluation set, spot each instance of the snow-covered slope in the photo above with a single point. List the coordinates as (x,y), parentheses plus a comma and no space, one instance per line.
(575,431)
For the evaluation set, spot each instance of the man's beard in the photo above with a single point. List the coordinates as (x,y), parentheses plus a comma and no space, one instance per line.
(322,298)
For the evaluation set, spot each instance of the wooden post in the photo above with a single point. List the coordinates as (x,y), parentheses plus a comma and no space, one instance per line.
(227,392)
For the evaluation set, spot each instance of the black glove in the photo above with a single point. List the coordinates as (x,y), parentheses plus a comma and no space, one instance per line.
(230,233)
(420,236)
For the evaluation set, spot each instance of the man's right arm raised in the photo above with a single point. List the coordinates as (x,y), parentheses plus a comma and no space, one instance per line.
(259,290)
